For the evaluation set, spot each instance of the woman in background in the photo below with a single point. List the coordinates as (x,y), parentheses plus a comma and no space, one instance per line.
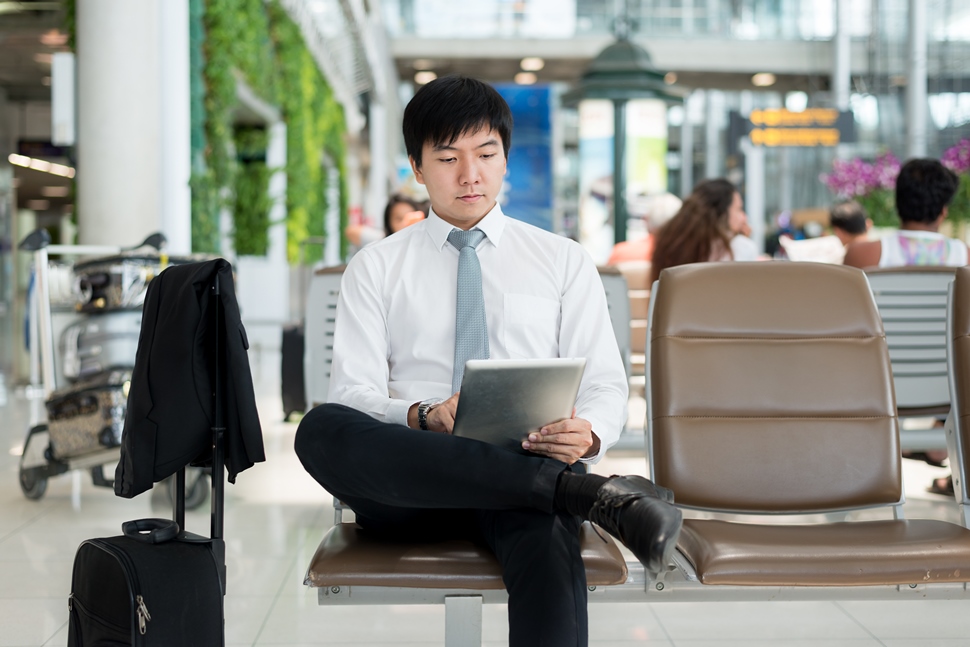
(710,226)
(400,212)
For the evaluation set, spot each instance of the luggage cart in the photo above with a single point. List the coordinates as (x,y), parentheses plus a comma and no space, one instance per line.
(38,462)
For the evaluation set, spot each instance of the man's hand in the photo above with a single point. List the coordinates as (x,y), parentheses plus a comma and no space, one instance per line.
(441,418)
(567,440)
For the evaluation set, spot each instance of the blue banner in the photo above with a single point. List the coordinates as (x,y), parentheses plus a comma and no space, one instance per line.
(528,190)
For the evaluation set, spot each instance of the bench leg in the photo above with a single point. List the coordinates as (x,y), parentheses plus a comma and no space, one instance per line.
(463,621)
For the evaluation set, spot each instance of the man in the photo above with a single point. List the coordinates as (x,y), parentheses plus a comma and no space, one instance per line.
(399,351)
(849,222)
(924,190)
(849,225)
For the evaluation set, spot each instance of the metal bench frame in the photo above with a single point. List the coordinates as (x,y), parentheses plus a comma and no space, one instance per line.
(463,608)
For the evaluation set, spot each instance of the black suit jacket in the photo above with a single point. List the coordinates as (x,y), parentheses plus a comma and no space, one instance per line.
(170,402)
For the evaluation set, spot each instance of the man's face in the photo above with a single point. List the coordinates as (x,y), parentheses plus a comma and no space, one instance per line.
(464,177)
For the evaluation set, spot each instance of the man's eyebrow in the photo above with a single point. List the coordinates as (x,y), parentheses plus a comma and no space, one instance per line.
(449,147)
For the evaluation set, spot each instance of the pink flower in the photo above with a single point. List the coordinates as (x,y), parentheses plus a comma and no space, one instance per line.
(957,157)
(856,177)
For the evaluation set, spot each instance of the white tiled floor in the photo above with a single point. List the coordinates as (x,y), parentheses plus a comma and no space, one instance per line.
(276,515)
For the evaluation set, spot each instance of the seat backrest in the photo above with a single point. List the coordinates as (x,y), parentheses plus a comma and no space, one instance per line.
(619,306)
(321,316)
(912,305)
(637,275)
(959,354)
(770,389)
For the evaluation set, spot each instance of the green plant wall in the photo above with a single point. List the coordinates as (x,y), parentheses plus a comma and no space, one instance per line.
(252,204)
(257,41)
(315,127)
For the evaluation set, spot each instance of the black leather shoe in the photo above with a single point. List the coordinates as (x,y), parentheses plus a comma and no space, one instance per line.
(651,488)
(630,508)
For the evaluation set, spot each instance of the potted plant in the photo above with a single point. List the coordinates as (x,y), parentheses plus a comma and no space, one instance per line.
(957,159)
(871,184)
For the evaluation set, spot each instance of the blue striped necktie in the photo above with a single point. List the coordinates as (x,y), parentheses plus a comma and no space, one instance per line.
(471,328)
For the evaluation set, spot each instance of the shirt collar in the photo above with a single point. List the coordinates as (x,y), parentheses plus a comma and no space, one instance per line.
(493,224)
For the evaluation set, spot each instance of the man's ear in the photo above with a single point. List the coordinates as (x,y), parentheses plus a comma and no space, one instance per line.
(416,169)
(868,224)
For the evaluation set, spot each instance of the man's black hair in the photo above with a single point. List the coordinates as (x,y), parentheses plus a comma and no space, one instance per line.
(923,188)
(849,216)
(450,107)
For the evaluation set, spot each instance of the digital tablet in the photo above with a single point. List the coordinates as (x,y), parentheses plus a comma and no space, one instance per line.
(502,400)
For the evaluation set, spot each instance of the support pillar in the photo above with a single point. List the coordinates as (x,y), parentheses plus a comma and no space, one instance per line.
(687,150)
(754,191)
(8,244)
(786,180)
(712,134)
(841,57)
(619,170)
(133,121)
(916,81)
(378,173)
(175,126)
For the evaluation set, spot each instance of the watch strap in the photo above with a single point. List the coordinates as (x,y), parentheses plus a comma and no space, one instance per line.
(425,407)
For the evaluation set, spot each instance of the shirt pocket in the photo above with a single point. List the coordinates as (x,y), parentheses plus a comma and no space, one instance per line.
(531,326)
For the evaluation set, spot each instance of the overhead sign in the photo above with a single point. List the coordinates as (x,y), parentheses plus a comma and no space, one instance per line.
(810,128)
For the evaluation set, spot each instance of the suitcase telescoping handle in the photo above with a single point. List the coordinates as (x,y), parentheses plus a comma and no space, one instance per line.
(151,531)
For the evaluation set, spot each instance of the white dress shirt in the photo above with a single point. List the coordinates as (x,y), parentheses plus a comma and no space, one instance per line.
(395,331)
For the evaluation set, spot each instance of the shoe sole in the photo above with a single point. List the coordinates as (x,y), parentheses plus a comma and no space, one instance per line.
(670,547)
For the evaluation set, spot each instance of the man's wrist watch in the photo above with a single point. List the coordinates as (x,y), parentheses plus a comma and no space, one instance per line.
(424,408)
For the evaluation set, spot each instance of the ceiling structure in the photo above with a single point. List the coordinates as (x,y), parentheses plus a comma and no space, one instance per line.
(569,70)
(31,31)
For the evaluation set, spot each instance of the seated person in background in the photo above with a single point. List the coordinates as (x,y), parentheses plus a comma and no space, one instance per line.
(469,282)
(924,190)
(660,209)
(849,222)
(710,226)
(400,212)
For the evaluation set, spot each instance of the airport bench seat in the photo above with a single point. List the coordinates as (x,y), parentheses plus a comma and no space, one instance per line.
(912,305)
(958,368)
(347,556)
(833,554)
(771,395)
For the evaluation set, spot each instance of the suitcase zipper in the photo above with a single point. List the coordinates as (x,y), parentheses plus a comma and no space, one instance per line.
(143,616)
(141,610)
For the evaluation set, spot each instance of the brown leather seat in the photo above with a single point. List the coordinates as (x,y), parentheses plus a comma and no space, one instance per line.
(348,556)
(960,386)
(771,392)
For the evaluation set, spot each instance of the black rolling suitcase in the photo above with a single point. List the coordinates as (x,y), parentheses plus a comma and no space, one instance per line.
(157,585)
(146,589)
(291,378)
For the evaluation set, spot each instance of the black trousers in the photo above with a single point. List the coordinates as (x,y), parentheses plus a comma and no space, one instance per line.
(425,485)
